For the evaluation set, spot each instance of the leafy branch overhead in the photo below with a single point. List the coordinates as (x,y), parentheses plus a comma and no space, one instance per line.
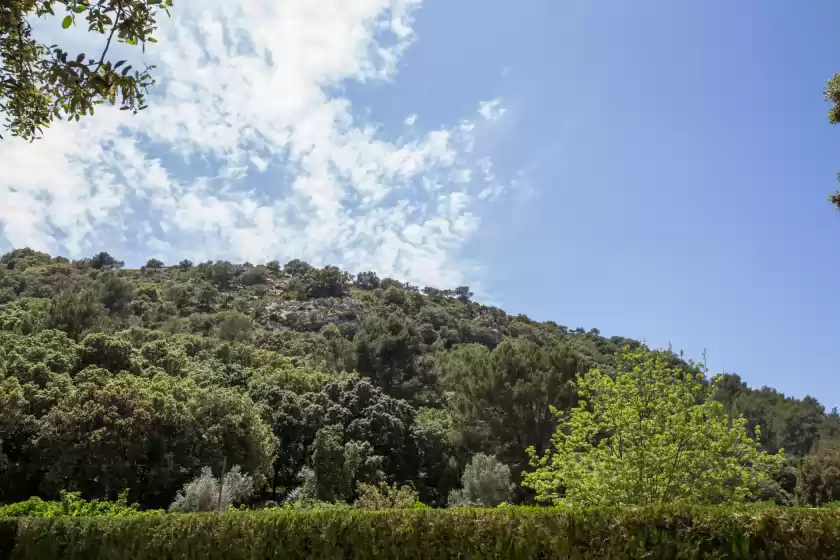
(40,83)
(832,94)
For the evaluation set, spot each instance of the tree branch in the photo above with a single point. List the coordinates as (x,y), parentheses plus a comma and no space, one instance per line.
(111,35)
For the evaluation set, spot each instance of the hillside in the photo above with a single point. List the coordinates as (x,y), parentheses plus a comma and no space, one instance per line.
(113,378)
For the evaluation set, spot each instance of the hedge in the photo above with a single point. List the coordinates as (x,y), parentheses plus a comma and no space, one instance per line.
(508,532)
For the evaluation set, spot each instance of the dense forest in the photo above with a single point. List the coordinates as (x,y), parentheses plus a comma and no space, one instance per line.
(310,382)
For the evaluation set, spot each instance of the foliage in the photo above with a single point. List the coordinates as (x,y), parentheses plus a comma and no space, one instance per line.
(383,496)
(39,83)
(650,435)
(71,504)
(503,397)
(203,493)
(795,425)
(114,378)
(832,94)
(515,533)
(337,466)
(818,483)
(485,482)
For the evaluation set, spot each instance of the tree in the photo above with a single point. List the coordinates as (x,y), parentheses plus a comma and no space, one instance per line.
(103,260)
(336,467)
(387,351)
(502,399)
(234,326)
(296,267)
(463,293)
(818,482)
(115,292)
(322,282)
(486,482)
(12,411)
(108,352)
(650,435)
(795,425)
(367,280)
(108,433)
(832,94)
(74,311)
(154,264)
(39,83)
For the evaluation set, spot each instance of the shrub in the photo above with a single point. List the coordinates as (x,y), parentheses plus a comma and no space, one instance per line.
(71,504)
(486,482)
(383,496)
(504,533)
(202,493)
(234,326)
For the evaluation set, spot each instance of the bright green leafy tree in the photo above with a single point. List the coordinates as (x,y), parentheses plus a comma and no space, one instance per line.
(651,434)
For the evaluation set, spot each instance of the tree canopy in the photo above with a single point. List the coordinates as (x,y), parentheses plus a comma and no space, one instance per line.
(650,434)
(321,385)
(40,83)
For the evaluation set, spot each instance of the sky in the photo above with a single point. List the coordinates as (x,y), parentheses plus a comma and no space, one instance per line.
(657,170)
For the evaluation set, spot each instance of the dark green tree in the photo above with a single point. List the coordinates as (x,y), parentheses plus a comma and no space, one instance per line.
(502,399)
(818,482)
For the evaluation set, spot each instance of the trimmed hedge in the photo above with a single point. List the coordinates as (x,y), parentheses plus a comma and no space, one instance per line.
(508,532)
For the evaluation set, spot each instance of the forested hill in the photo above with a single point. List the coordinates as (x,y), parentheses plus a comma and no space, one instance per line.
(305,377)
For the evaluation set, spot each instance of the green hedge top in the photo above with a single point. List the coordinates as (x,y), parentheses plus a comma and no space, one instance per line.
(508,532)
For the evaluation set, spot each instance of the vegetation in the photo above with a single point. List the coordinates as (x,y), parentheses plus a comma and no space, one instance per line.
(516,533)
(485,482)
(39,83)
(72,505)
(649,434)
(317,389)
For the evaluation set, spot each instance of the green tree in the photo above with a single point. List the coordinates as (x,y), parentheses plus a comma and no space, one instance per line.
(109,352)
(818,482)
(832,94)
(39,83)
(367,280)
(12,413)
(110,432)
(337,467)
(486,482)
(502,399)
(234,326)
(153,265)
(74,312)
(115,292)
(387,349)
(104,261)
(650,435)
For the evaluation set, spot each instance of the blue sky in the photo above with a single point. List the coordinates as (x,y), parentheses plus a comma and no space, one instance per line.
(653,169)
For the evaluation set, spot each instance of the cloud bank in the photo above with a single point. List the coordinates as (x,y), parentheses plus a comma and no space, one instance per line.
(249,151)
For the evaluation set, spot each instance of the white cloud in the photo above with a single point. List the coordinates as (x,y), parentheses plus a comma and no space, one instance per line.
(491,110)
(246,154)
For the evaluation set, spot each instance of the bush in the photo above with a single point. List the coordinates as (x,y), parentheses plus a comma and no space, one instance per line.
(202,493)
(385,497)
(71,504)
(515,533)
(486,482)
